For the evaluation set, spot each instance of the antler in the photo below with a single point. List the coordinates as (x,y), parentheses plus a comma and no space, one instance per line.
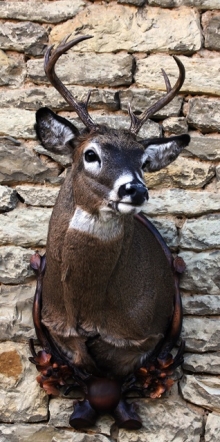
(137,122)
(50,60)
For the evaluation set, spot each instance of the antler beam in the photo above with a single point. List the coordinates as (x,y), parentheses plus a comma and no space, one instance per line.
(50,60)
(137,122)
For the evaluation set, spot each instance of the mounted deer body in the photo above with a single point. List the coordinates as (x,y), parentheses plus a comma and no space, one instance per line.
(108,290)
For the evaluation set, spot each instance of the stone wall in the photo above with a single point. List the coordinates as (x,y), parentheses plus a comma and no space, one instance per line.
(133,40)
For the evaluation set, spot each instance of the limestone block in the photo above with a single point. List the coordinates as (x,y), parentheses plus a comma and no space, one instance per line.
(202,74)
(212,428)
(61,408)
(87,69)
(18,164)
(51,12)
(201,334)
(205,147)
(202,363)
(141,99)
(132,2)
(202,233)
(38,195)
(164,420)
(64,160)
(201,305)
(167,229)
(166,3)
(202,272)
(126,28)
(211,29)
(202,390)
(8,199)
(183,172)
(200,4)
(35,97)
(25,227)
(45,433)
(14,264)
(175,125)
(150,129)
(19,124)
(12,71)
(181,202)
(27,37)
(22,399)
(204,114)
(16,311)
(203,4)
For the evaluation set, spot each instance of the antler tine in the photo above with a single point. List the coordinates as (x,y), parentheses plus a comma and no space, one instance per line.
(50,60)
(137,122)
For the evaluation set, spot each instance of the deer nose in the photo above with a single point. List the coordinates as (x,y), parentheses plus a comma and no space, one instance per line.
(136,191)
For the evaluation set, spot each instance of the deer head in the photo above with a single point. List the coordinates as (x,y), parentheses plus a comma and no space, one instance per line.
(108,164)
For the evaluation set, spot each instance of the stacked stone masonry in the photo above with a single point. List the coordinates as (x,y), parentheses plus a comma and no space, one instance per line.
(132,41)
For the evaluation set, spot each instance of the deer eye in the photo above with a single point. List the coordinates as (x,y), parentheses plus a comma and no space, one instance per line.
(91,156)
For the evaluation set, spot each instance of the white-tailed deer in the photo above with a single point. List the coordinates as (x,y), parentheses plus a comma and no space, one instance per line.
(107,306)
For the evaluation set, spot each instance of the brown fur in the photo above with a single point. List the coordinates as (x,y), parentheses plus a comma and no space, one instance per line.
(106,302)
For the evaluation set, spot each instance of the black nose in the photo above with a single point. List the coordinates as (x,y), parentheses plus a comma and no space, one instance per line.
(136,191)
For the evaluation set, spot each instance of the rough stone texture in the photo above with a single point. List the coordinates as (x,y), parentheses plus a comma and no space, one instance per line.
(52,12)
(45,433)
(200,4)
(202,272)
(12,71)
(202,74)
(183,172)
(202,363)
(202,390)
(202,233)
(133,2)
(14,264)
(18,164)
(201,334)
(211,29)
(142,99)
(212,428)
(125,28)
(127,35)
(205,147)
(175,125)
(204,114)
(27,37)
(167,229)
(35,97)
(19,125)
(113,69)
(8,199)
(25,227)
(150,129)
(43,196)
(181,202)
(17,380)
(16,312)
(201,305)
(164,420)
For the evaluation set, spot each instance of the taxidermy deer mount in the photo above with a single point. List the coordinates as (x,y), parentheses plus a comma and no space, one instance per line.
(107,309)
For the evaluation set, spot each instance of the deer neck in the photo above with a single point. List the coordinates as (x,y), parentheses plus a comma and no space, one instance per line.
(105,226)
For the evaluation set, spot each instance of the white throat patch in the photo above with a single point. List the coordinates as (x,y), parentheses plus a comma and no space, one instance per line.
(106,226)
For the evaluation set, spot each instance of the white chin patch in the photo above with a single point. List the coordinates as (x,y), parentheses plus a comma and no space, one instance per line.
(125,209)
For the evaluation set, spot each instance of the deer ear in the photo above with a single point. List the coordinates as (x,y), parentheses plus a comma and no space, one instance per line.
(160,152)
(55,133)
